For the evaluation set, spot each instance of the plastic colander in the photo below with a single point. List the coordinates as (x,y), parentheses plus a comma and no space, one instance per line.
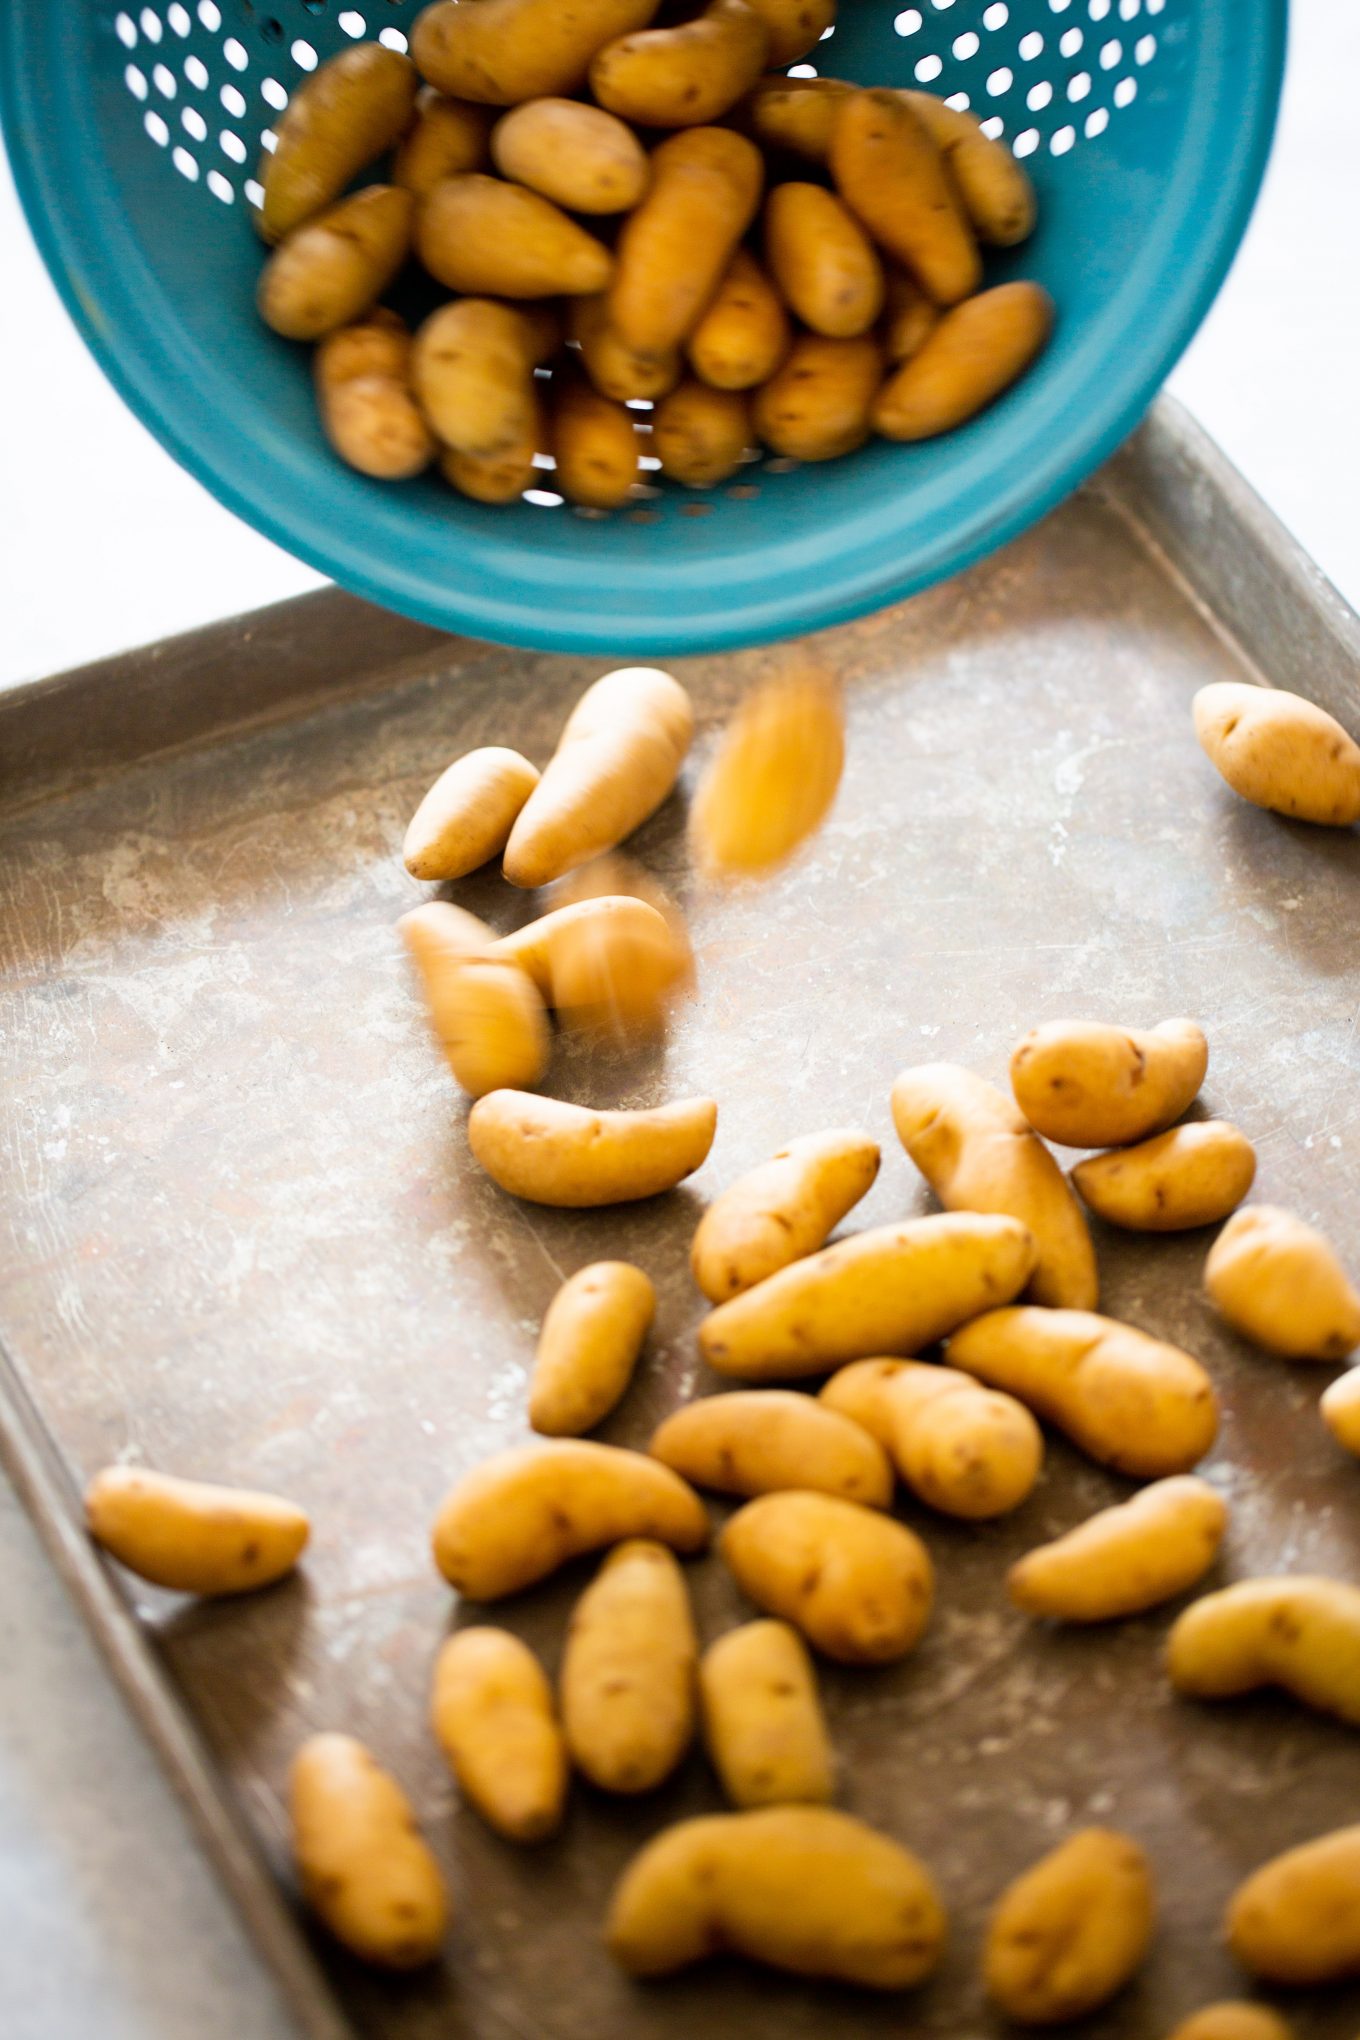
(134,130)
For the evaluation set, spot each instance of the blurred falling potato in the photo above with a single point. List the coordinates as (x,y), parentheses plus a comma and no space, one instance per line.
(774,776)
(617,977)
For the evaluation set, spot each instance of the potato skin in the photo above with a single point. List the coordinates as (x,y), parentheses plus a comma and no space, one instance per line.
(909,317)
(763,1725)
(448,137)
(517,1517)
(684,76)
(798,114)
(1071,1931)
(579,156)
(1127,1558)
(892,176)
(795,26)
(756,1441)
(466,817)
(803,1888)
(364,1867)
(819,402)
(363,388)
(856,1583)
(892,1289)
(193,1537)
(1279,1283)
(1296,1920)
(487,1016)
(1230,2020)
(573,1157)
(588,1347)
(333,268)
(615,369)
(822,260)
(977,350)
(1280,751)
(474,376)
(1192,1175)
(1131,1402)
(966,1450)
(504,51)
(1340,1407)
(1298,1632)
(744,335)
(501,477)
(700,435)
(996,192)
(352,109)
(1088,1085)
(978,1153)
(781,1211)
(610,965)
(493,1716)
(774,775)
(485,238)
(674,250)
(596,446)
(629,1697)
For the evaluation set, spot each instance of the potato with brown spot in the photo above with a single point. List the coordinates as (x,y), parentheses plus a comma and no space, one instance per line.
(1072,1930)
(781,1211)
(485,238)
(365,1869)
(978,349)
(1090,1085)
(700,435)
(795,26)
(819,402)
(966,1450)
(629,1671)
(449,137)
(1296,1920)
(685,75)
(548,1152)
(503,51)
(466,817)
(1233,2020)
(1297,1632)
(335,267)
(755,1441)
(616,369)
(674,250)
(910,316)
(473,372)
(347,114)
(193,1537)
(588,1347)
(1191,1175)
(857,1584)
(996,192)
(763,1724)
(1280,751)
(822,260)
(745,334)
(363,389)
(798,115)
(493,1717)
(501,477)
(580,157)
(891,174)
(595,445)
(1126,1559)
(1279,1283)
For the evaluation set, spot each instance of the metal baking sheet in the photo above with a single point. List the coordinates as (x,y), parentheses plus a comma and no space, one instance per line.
(241,1238)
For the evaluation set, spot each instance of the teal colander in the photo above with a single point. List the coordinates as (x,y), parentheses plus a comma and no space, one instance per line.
(134,130)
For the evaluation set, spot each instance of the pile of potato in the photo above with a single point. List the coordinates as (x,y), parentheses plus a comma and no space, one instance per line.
(628,213)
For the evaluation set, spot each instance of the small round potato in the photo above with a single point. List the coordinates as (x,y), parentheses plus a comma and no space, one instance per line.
(616,370)
(192,1537)
(744,335)
(365,1869)
(822,260)
(763,1724)
(756,1441)
(595,444)
(978,349)
(351,109)
(486,238)
(1297,1632)
(687,75)
(578,156)
(781,1211)
(1280,751)
(1127,1558)
(503,51)
(363,388)
(449,138)
(1233,2020)
(588,1347)
(818,403)
(493,1716)
(629,1697)
(674,250)
(551,1153)
(466,817)
(701,435)
(856,1583)
(966,1450)
(798,115)
(1087,1085)
(1279,1283)
(473,372)
(891,174)
(774,776)
(1296,1920)
(331,269)
(1071,1931)
(1192,1175)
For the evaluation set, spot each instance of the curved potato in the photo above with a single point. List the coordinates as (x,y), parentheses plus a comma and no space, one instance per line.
(819,402)
(501,477)
(756,1441)
(976,351)
(493,1716)
(595,443)
(774,775)
(363,388)
(351,109)
(1280,751)
(1297,1632)
(800,1887)
(614,368)
(1231,2020)
(744,335)
(1192,1175)
(674,250)
(892,176)
(365,1869)
(628,1671)
(1296,1920)
(1125,1559)
(580,157)
(798,114)
(568,1155)
(617,758)
(795,26)
(1340,1407)
(487,1017)
(687,75)
(609,964)
(893,1289)
(588,1347)
(822,260)
(963,1449)
(193,1537)
(763,1725)
(503,51)
(466,816)
(520,1515)
(1279,1283)
(1071,1931)
(444,929)
(473,374)
(856,1583)
(978,1153)
(1088,1085)
(781,1211)
(909,317)
(996,192)
(700,435)
(448,138)
(1128,1401)
(333,268)
(485,238)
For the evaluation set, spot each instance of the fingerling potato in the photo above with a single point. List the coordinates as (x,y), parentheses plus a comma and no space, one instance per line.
(686,75)
(493,1717)
(756,1441)
(473,374)
(348,113)
(856,1583)
(502,477)
(892,176)
(1071,1931)
(822,260)
(1279,1283)
(193,1537)
(763,1725)
(819,402)
(466,817)
(1280,751)
(1193,1175)
(485,238)
(674,250)
(1126,1559)
(1296,1632)
(1340,1407)
(610,965)
(334,267)
(744,335)
(909,318)
(595,444)
(365,1869)
(1088,1085)
(700,435)
(503,51)
(781,1211)
(795,26)
(448,138)
(996,192)
(1296,1920)
(978,349)
(580,157)
(568,1155)
(616,369)
(487,1016)
(629,1697)
(1232,2021)
(588,1347)
(363,388)
(773,777)
(798,114)
(966,1450)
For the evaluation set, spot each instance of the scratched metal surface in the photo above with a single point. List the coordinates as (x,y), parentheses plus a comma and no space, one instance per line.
(240,1237)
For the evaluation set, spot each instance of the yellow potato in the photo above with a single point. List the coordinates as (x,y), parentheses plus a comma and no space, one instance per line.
(503,51)
(610,965)
(1129,1401)
(569,1155)
(774,775)
(909,318)
(444,928)
(449,138)
(616,760)
(520,1515)
(674,250)
(466,816)
(1127,1558)
(857,1584)
(351,109)
(365,1869)
(796,26)
(578,156)
(763,1725)
(822,260)
(996,192)
(1297,1632)
(615,369)
(487,1016)
(1193,1175)
(363,388)
(894,1289)
(629,1669)
(1340,1406)
(487,238)
(588,1347)
(819,402)
(1280,751)
(192,1537)
(1279,1283)
(686,75)
(473,374)
(800,1887)
(756,1441)
(892,176)
(978,1153)
(744,335)
(1089,1085)
(781,1211)
(502,477)
(1071,1931)
(334,267)
(975,352)
(596,445)
(700,435)
(1296,1920)
(493,1716)
(1232,2021)
(963,1449)
(798,114)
